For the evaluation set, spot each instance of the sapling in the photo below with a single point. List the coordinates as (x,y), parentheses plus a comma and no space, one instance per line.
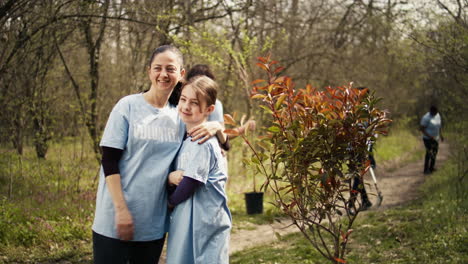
(314,144)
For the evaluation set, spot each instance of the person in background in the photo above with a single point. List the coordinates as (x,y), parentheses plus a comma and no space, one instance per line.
(139,143)
(201,221)
(431,128)
(358,186)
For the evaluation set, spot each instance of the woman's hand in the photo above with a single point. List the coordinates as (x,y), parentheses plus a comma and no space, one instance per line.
(205,131)
(175,177)
(124,224)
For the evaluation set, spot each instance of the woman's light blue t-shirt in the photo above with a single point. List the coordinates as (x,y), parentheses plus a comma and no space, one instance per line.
(200,226)
(217,114)
(150,138)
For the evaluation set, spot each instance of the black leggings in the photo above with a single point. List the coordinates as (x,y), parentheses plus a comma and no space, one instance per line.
(114,251)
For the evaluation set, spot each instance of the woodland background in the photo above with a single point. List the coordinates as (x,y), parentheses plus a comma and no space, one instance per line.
(64,64)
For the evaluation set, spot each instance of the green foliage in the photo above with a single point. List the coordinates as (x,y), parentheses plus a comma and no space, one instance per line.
(315,143)
(46,206)
(430,230)
(403,139)
(230,56)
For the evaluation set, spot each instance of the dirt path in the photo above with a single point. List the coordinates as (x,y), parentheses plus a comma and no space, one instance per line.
(397,186)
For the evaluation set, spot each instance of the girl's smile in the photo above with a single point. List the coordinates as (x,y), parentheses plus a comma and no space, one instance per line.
(192,111)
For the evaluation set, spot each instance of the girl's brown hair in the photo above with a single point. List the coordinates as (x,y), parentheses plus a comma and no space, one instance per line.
(205,88)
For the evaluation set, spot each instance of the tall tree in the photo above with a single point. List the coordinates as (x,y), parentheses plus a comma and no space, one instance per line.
(93,41)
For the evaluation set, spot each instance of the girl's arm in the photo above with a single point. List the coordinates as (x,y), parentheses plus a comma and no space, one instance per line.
(184,190)
(175,177)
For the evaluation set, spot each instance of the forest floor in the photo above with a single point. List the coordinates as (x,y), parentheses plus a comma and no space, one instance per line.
(397,180)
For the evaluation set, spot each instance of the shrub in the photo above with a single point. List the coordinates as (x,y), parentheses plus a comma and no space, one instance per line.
(315,144)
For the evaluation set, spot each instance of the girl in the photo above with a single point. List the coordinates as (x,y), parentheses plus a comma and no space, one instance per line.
(201,222)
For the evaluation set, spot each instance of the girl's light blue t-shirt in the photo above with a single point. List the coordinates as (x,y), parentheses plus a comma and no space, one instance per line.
(200,226)
(150,138)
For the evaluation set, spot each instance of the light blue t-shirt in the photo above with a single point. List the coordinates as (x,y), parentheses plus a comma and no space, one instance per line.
(432,125)
(217,114)
(200,226)
(150,138)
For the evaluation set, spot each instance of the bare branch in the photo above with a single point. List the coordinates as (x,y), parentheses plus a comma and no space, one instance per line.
(75,85)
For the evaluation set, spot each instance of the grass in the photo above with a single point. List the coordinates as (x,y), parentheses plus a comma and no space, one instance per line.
(47,207)
(240,182)
(432,229)
(400,144)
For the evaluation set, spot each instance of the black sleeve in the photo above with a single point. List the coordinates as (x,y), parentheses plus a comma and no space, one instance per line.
(110,160)
(184,190)
(226,146)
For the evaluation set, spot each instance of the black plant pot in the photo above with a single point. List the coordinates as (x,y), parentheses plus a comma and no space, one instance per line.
(254,202)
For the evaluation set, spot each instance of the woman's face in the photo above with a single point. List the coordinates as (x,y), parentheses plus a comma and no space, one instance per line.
(165,71)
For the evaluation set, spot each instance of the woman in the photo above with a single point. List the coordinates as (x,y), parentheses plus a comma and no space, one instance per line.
(140,141)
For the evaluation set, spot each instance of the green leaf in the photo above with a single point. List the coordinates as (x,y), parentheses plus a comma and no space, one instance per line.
(255,160)
(263,145)
(274,129)
(280,100)
(258,96)
(267,109)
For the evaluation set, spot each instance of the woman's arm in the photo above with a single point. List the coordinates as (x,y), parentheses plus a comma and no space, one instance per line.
(123,217)
(206,130)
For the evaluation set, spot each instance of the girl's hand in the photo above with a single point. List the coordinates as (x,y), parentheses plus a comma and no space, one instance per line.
(175,177)
(205,131)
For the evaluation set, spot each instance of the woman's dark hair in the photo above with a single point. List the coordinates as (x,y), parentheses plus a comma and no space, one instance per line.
(174,98)
(164,48)
(196,70)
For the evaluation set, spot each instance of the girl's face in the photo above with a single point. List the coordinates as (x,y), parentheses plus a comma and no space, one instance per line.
(165,71)
(193,111)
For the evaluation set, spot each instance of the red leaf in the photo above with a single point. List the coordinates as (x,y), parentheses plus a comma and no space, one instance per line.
(340,260)
(279,79)
(233,132)
(263,66)
(257,81)
(273,62)
(228,119)
(277,70)
(262,59)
